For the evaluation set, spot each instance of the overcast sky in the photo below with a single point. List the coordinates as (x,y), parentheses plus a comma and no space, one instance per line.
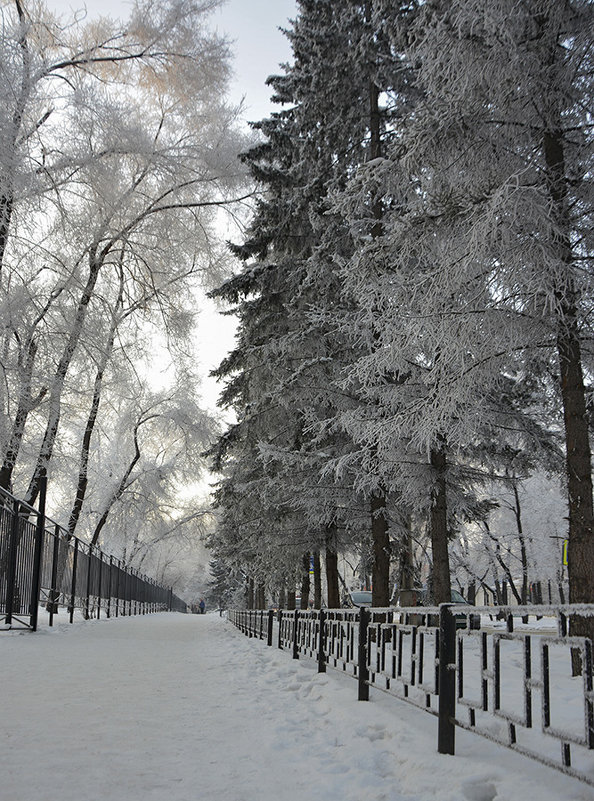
(253,25)
(259,47)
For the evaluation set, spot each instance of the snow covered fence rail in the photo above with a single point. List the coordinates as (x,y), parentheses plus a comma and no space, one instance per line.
(41,562)
(491,681)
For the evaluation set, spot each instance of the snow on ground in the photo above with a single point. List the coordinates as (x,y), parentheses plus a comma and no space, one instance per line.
(173,707)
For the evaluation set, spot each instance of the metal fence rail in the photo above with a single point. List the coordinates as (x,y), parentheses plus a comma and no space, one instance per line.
(509,683)
(41,563)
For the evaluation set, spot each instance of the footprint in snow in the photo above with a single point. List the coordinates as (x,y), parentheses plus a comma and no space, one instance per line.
(383,764)
(311,693)
(479,791)
(372,733)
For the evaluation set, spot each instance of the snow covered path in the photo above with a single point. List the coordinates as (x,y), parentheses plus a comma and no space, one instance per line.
(174,707)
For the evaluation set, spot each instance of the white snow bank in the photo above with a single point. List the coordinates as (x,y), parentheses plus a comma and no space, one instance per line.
(173,707)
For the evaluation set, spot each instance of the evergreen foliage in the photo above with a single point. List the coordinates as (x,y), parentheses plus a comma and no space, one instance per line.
(414,302)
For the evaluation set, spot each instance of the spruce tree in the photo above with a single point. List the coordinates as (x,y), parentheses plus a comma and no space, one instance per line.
(312,146)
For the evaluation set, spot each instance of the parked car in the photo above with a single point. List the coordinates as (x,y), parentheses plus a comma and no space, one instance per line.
(419,597)
(360,598)
(473,618)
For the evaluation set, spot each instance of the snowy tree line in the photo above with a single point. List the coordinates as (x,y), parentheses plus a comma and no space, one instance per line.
(412,378)
(116,150)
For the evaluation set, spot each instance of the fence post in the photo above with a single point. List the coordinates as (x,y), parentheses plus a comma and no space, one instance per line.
(87,613)
(117,587)
(38,553)
(99,580)
(296,635)
(270,620)
(363,670)
(280,629)
(54,594)
(73,586)
(322,642)
(12,560)
(109,587)
(128,586)
(447,681)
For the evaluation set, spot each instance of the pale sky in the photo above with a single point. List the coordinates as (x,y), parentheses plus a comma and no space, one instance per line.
(253,25)
(259,47)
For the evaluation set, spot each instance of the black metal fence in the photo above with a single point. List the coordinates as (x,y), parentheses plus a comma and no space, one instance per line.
(490,680)
(40,563)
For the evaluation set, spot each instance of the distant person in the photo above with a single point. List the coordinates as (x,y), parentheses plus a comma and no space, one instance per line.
(202,606)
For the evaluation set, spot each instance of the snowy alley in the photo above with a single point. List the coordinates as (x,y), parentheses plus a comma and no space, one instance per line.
(174,707)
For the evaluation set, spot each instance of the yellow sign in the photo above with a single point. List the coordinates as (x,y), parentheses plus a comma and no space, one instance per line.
(565,544)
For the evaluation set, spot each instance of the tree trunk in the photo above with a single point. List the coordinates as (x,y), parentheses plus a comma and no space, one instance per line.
(332,571)
(577,441)
(26,404)
(6,206)
(381,551)
(406,568)
(498,592)
(580,552)
(291,599)
(317,581)
(53,421)
(125,481)
(81,487)
(260,596)
(441,587)
(380,576)
(507,572)
(523,551)
(305,582)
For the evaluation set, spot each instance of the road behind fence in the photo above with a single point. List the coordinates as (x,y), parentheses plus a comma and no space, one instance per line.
(490,681)
(40,562)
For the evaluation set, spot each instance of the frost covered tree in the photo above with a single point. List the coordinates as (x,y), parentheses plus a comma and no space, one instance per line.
(482,269)
(521,201)
(320,137)
(116,152)
(279,239)
(414,304)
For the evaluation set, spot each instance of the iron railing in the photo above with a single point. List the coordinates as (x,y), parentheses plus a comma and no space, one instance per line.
(40,563)
(491,680)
